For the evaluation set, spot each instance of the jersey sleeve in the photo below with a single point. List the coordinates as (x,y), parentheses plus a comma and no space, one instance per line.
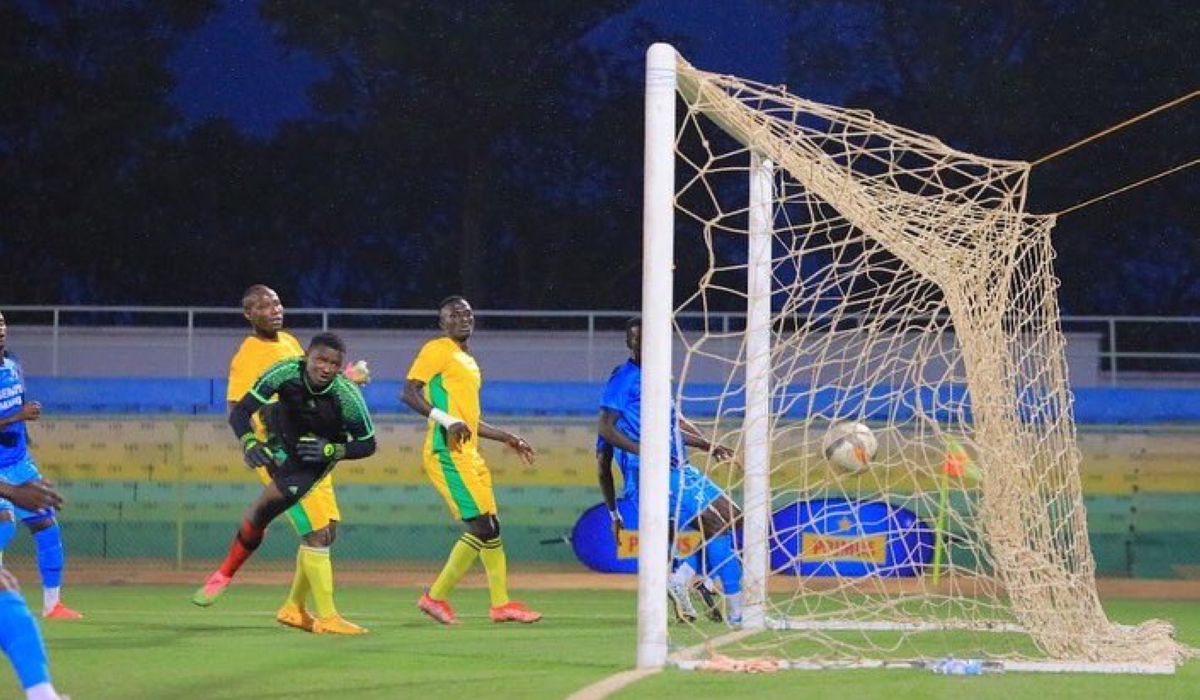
(615,396)
(270,381)
(356,417)
(240,378)
(430,362)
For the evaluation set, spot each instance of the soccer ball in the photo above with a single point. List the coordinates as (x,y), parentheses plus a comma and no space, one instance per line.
(849,446)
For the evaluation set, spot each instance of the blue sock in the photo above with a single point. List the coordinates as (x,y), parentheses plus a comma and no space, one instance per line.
(7,530)
(723,563)
(50,555)
(22,641)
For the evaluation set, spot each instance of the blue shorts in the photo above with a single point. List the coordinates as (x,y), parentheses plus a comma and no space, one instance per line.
(22,473)
(691,494)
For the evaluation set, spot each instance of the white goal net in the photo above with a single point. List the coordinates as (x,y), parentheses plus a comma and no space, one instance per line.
(857,271)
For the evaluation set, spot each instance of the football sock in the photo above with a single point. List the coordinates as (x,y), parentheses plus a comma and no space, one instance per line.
(50,563)
(462,555)
(496,565)
(733,606)
(318,569)
(723,563)
(22,641)
(298,596)
(683,573)
(7,530)
(247,539)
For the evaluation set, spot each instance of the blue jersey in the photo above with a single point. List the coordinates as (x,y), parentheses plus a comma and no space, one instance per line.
(13,442)
(623,396)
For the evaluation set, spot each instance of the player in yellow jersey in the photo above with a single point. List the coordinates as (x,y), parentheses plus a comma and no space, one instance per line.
(443,384)
(316,516)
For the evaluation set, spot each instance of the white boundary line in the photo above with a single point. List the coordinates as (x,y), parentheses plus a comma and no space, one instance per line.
(607,686)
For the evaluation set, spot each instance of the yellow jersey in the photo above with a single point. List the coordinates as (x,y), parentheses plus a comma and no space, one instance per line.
(254,357)
(452,382)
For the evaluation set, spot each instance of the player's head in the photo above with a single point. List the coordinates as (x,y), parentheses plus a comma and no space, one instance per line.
(264,311)
(324,358)
(456,318)
(633,338)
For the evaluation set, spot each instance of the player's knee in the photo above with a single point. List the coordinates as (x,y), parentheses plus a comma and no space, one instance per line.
(485,527)
(38,524)
(320,538)
(8,582)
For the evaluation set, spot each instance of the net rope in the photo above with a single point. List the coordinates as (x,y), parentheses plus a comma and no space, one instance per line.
(911,291)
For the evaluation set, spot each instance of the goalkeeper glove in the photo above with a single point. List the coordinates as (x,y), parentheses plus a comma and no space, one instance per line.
(256,453)
(319,450)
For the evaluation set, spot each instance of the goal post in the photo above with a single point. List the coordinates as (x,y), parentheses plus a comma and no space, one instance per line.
(858,271)
(657,307)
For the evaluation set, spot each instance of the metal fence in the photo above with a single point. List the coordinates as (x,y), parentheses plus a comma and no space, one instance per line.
(1129,350)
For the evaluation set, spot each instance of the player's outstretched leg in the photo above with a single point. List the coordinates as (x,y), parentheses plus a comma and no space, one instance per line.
(22,642)
(435,602)
(439,610)
(47,537)
(244,544)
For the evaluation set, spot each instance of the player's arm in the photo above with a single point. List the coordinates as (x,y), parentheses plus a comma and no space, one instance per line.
(255,452)
(359,428)
(413,396)
(29,411)
(692,437)
(608,430)
(32,495)
(518,443)
(240,413)
(604,474)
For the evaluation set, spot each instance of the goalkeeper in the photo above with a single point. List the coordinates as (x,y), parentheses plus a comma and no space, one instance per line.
(695,501)
(316,516)
(319,420)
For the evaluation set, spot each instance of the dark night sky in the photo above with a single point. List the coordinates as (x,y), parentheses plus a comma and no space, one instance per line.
(231,67)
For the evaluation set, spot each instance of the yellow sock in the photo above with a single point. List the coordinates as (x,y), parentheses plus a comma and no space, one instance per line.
(298,596)
(319,571)
(462,555)
(496,564)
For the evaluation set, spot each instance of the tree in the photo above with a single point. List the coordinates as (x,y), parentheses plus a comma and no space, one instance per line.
(475,125)
(85,89)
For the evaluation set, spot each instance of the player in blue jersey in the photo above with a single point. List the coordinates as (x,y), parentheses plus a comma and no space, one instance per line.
(695,501)
(16,468)
(20,637)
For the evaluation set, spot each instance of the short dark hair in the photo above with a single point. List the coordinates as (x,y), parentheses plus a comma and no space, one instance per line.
(253,292)
(450,300)
(633,322)
(327,340)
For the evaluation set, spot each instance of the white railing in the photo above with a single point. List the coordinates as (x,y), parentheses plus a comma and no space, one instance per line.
(1130,350)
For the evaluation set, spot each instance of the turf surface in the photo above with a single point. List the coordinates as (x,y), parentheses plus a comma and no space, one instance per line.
(150,642)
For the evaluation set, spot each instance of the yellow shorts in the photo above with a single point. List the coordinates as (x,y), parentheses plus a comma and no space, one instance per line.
(463,479)
(314,511)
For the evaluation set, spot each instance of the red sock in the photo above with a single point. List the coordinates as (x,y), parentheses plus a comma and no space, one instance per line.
(246,540)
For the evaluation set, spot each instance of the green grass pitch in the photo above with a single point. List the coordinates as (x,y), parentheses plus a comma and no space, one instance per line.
(149,642)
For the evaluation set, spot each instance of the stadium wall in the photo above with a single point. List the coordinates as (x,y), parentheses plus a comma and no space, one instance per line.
(150,470)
